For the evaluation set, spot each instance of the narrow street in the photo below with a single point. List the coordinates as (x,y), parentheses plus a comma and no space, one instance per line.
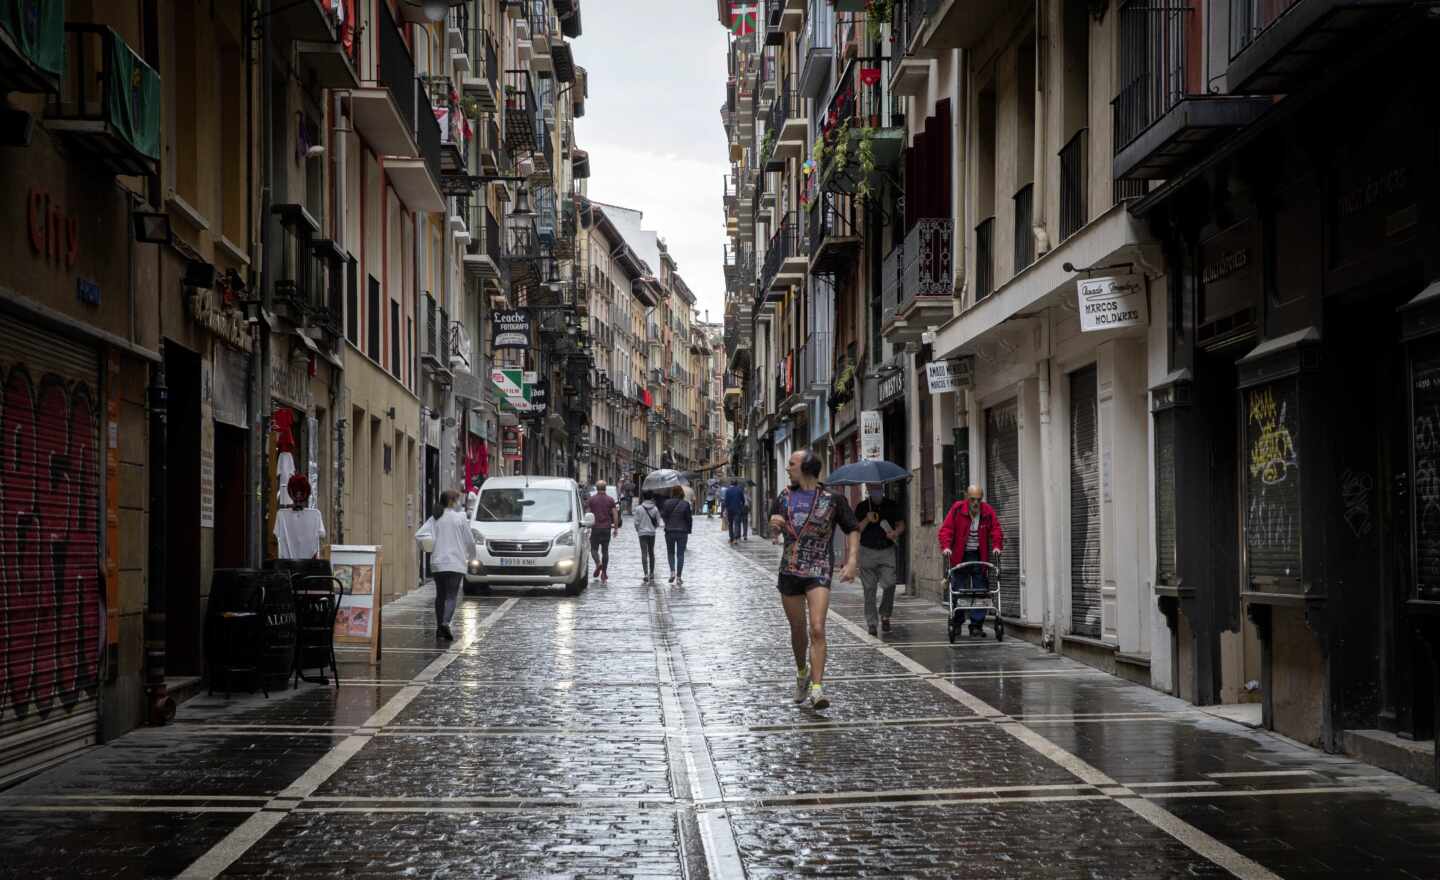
(648,732)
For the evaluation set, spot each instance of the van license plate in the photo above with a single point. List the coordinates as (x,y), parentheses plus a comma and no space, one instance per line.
(512,563)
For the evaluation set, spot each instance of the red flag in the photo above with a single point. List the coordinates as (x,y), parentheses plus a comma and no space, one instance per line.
(742,20)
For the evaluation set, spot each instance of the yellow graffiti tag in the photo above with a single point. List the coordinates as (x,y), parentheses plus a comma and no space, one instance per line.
(1273,449)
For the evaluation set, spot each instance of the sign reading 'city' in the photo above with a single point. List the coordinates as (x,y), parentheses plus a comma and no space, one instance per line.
(512,328)
(1110,303)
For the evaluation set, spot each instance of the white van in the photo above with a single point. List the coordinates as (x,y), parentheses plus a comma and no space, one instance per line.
(531,530)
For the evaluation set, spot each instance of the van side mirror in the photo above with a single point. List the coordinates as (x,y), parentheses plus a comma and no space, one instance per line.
(588,521)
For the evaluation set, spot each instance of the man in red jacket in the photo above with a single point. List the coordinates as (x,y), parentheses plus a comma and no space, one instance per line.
(972,531)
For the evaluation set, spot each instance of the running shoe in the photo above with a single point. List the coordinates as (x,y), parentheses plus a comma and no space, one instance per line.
(802,683)
(818,700)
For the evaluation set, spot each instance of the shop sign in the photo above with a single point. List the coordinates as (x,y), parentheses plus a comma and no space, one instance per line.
(510,438)
(229,324)
(512,329)
(514,393)
(54,235)
(539,396)
(1112,302)
(950,375)
(872,435)
(892,386)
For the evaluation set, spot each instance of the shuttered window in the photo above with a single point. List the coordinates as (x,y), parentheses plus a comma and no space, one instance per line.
(1165,521)
(1272,482)
(1425,440)
(1002,474)
(52,619)
(1085,602)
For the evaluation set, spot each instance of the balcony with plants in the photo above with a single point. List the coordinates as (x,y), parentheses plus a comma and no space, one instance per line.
(482,80)
(32,50)
(861,134)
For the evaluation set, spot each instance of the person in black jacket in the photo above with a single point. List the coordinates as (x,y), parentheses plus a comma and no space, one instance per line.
(678,522)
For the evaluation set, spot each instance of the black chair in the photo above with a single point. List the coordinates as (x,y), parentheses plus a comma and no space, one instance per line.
(317,604)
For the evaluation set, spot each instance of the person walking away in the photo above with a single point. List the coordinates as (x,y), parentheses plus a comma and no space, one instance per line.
(881,525)
(607,518)
(299,528)
(454,548)
(745,513)
(807,515)
(648,521)
(679,520)
(972,530)
(734,509)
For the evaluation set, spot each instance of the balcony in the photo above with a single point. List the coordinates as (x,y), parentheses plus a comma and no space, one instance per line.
(108,106)
(519,112)
(299,275)
(1024,227)
(450,119)
(482,81)
(417,180)
(910,66)
(1074,184)
(435,342)
(961,24)
(462,355)
(785,263)
(858,118)
(817,48)
(32,61)
(1277,46)
(924,281)
(541,60)
(484,253)
(835,239)
(774,32)
(984,258)
(489,149)
(787,120)
(1163,122)
(320,40)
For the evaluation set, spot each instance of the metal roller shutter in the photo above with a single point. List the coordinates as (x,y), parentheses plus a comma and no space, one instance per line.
(1165,510)
(1085,602)
(1425,447)
(1002,473)
(52,615)
(1272,484)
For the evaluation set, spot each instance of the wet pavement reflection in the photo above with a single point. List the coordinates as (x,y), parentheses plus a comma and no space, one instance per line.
(648,731)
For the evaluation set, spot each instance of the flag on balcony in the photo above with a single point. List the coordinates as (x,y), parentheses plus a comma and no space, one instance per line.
(742,19)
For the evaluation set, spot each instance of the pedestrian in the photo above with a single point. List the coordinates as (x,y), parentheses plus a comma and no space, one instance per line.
(972,530)
(648,521)
(734,508)
(807,514)
(454,548)
(881,525)
(679,519)
(627,494)
(607,517)
(299,528)
(745,514)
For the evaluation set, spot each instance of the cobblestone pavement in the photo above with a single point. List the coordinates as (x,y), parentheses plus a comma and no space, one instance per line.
(642,731)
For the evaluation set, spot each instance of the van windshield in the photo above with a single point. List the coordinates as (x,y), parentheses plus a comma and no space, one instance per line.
(524,505)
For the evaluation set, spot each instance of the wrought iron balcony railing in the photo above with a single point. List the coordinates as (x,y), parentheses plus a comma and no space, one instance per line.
(1074,184)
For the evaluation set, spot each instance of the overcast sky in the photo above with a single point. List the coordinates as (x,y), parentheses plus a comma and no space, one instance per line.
(652,126)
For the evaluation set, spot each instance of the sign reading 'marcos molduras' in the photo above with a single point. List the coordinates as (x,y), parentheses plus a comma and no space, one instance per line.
(512,328)
(1114,302)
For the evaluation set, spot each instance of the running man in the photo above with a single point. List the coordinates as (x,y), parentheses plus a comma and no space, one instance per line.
(807,514)
(607,517)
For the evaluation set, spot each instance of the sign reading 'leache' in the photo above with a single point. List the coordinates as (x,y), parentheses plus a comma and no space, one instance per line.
(512,329)
(1111,303)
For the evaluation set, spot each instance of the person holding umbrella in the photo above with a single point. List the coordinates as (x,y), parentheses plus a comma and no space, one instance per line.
(881,525)
(807,515)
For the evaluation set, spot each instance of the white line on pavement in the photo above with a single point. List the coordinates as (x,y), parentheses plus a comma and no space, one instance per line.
(235,844)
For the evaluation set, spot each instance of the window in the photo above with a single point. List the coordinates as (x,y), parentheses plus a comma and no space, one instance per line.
(352,302)
(372,321)
(395,339)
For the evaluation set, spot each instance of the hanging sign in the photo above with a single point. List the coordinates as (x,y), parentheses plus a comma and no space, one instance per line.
(950,375)
(514,393)
(1109,303)
(872,435)
(512,329)
(358,618)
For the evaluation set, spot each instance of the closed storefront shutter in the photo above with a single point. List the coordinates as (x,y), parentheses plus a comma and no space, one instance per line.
(1085,604)
(1425,440)
(1166,525)
(1002,473)
(1272,484)
(52,616)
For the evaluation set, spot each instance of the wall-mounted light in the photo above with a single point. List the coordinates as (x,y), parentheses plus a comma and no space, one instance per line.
(199,275)
(151,227)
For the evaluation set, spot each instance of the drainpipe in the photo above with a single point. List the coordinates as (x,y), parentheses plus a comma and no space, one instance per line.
(1041,156)
(260,379)
(339,409)
(1051,621)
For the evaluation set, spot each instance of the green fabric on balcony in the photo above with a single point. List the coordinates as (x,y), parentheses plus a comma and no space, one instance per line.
(38,29)
(134,97)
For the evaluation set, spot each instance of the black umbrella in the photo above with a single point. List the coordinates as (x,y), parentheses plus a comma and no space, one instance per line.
(862,472)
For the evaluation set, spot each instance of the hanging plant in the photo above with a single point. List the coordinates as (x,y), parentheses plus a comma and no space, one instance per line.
(877,13)
(767,146)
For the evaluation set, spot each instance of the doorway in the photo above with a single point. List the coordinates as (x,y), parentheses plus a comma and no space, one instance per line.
(230,484)
(182,489)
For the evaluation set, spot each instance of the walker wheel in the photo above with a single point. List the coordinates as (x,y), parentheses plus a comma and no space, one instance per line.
(999,630)
(950,630)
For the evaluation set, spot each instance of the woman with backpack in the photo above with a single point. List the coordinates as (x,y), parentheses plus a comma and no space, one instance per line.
(648,521)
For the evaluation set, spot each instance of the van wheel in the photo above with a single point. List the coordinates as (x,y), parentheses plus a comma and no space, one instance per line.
(579,585)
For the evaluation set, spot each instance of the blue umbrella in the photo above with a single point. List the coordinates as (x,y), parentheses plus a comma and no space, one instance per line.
(862,472)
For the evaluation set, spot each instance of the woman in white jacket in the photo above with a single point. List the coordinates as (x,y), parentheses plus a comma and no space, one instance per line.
(648,520)
(454,548)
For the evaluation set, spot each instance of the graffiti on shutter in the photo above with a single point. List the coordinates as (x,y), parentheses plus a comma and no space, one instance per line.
(1085,603)
(1272,481)
(1165,520)
(1425,447)
(1002,472)
(52,619)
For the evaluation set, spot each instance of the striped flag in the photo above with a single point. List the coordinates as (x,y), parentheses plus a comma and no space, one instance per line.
(742,19)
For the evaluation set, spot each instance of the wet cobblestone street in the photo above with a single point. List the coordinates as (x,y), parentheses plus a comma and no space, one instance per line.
(648,731)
